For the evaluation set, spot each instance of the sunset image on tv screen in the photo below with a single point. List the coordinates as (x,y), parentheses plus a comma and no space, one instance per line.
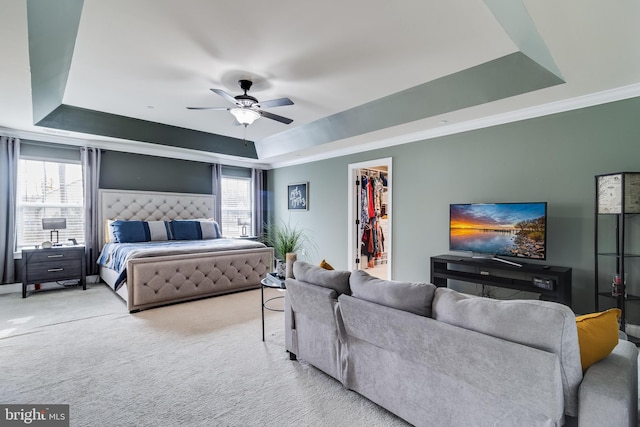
(508,229)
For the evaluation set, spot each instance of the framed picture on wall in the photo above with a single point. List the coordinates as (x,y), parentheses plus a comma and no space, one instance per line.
(298,196)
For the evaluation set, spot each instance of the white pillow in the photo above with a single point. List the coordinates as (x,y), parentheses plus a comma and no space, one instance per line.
(158,231)
(210,229)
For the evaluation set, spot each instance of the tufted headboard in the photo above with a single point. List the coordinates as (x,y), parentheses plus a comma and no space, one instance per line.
(152,206)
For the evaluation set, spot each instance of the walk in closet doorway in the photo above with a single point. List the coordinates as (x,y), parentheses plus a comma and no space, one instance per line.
(370,217)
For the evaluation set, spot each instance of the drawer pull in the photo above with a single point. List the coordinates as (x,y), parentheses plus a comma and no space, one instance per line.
(55,256)
(55,269)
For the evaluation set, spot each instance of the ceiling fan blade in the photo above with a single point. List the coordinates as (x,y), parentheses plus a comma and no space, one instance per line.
(275,117)
(275,103)
(226,96)
(208,108)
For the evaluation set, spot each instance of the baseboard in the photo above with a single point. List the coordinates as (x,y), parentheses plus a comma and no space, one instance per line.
(10,288)
(633,330)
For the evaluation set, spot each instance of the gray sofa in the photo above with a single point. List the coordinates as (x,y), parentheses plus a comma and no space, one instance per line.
(436,357)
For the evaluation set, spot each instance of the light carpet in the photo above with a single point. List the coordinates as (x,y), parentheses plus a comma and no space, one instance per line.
(201,363)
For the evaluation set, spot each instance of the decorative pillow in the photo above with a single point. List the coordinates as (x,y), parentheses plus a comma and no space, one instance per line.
(324,264)
(130,231)
(159,230)
(186,230)
(337,280)
(415,298)
(108,231)
(210,229)
(597,335)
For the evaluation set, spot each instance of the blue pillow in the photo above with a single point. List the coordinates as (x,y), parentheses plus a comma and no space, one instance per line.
(131,231)
(186,230)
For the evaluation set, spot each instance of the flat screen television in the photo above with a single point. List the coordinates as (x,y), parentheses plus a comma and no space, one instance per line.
(490,230)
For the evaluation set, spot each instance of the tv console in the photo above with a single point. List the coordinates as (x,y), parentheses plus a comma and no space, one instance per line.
(515,264)
(553,283)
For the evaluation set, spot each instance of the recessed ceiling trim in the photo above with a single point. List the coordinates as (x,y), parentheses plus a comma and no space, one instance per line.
(98,123)
(586,101)
(510,75)
(52,28)
(517,23)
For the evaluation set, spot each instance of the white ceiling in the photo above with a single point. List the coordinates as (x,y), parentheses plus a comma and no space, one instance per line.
(149,59)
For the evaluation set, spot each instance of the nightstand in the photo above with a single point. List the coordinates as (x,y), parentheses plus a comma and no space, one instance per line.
(50,265)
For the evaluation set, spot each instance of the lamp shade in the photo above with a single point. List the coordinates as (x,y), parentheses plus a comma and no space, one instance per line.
(54,223)
(244,221)
(245,116)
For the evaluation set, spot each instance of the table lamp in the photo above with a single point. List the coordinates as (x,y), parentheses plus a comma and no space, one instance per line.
(244,222)
(54,224)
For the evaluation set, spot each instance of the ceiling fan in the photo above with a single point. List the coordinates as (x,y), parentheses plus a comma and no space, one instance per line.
(247,108)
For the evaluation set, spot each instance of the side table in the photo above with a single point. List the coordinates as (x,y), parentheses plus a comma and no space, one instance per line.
(53,264)
(273,282)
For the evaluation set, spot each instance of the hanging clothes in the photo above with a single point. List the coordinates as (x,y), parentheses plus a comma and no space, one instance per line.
(364,201)
(371,209)
(372,237)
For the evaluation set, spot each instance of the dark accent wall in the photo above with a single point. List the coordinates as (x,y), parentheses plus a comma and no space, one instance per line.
(126,171)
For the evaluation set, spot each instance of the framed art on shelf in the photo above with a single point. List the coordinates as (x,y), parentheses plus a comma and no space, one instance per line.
(298,196)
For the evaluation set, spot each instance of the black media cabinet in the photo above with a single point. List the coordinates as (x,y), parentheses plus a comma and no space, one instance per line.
(495,273)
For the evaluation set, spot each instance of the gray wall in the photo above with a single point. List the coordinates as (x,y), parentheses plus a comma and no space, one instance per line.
(126,171)
(552,159)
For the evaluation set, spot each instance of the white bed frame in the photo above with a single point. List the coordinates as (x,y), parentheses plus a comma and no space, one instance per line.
(156,281)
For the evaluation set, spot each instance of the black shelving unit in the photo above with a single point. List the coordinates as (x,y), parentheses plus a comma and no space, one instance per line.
(617,202)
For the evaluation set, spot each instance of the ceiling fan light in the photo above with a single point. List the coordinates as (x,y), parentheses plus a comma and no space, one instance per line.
(245,116)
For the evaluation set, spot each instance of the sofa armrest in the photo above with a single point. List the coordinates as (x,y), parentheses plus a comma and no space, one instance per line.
(312,326)
(608,394)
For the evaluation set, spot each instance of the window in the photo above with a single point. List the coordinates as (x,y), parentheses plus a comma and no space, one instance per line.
(49,189)
(236,204)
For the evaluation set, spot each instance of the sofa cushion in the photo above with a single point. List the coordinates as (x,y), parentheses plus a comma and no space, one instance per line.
(544,325)
(413,297)
(597,335)
(332,279)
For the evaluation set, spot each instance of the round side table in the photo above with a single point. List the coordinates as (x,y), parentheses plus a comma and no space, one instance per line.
(274,283)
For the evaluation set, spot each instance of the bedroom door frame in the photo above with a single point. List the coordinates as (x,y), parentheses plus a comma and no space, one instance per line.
(353,212)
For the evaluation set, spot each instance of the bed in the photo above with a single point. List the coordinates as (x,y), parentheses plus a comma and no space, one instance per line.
(156,271)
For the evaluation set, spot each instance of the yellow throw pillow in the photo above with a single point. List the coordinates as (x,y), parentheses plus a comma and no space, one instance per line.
(324,264)
(597,335)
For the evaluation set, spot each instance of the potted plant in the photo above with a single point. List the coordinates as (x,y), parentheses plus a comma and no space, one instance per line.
(286,240)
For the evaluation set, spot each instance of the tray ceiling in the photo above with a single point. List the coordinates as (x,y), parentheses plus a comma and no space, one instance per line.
(120,74)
